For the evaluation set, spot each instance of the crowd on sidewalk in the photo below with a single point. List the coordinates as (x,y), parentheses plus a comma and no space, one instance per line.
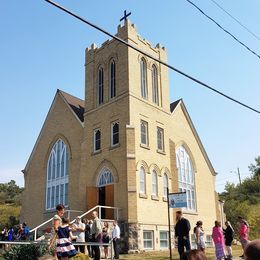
(15,233)
(222,238)
(64,233)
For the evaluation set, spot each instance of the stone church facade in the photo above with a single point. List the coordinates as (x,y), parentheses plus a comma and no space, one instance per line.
(121,147)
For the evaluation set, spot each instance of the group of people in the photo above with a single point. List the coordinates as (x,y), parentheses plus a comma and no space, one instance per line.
(80,232)
(19,232)
(222,238)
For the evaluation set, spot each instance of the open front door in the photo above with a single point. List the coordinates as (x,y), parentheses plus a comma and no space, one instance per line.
(110,201)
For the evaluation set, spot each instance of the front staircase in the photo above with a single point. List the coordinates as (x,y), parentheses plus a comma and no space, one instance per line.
(43,231)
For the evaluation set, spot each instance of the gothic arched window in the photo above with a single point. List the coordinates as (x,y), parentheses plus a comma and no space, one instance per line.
(186,177)
(112,79)
(57,176)
(105,178)
(142,180)
(100,90)
(165,185)
(143,68)
(155,85)
(114,133)
(154,183)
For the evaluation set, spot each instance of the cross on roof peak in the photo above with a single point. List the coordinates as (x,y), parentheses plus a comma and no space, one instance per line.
(125,16)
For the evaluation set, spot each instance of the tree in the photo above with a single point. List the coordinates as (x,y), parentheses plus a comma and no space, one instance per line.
(244,200)
(255,169)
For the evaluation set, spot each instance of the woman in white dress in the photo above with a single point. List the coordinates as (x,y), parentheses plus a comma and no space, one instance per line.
(199,236)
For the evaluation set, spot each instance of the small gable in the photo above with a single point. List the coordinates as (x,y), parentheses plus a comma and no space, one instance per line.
(76,104)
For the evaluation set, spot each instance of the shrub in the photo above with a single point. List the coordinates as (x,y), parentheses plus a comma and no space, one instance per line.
(25,252)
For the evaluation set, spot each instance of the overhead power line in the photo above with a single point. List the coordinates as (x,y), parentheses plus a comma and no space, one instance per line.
(222,28)
(235,19)
(152,57)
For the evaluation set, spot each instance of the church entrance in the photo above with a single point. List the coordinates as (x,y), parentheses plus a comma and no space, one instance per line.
(106,198)
(105,186)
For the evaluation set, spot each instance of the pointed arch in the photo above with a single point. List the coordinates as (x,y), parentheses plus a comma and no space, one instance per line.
(167,171)
(154,167)
(105,165)
(112,78)
(186,176)
(143,78)
(155,85)
(140,164)
(100,85)
(57,175)
(188,150)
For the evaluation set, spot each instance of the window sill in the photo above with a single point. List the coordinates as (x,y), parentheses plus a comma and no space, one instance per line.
(112,147)
(145,146)
(187,212)
(161,152)
(96,152)
(154,197)
(142,195)
(164,199)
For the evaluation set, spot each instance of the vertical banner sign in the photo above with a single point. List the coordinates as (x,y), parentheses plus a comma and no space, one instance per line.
(174,200)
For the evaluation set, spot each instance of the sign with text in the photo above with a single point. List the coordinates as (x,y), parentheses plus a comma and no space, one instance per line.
(177,200)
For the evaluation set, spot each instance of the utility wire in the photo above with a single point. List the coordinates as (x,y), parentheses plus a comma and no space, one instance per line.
(152,57)
(230,15)
(226,31)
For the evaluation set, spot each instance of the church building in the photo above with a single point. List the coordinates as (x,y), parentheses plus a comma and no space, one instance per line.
(122,147)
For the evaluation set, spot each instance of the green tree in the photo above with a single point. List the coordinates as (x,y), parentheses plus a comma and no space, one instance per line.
(244,200)
(255,168)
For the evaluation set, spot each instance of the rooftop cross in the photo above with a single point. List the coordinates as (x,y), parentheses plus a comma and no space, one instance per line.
(125,16)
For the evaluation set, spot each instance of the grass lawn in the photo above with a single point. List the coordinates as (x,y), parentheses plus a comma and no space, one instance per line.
(163,255)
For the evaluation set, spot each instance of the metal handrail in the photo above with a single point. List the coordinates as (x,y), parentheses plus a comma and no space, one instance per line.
(84,214)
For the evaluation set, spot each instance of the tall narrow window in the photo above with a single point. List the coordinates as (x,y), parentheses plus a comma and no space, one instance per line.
(100,86)
(142,180)
(97,140)
(154,183)
(155,85)
(143,78)
(57,176)
(112,79)
(160,139)
(115,133)
(165,185)
(186,177)
(144,133)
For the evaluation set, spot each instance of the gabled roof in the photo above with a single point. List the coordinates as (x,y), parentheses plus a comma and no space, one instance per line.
(76,104)
(174,104)
(173,107)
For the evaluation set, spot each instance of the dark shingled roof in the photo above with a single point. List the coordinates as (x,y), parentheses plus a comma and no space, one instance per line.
(174,104)
(75,103)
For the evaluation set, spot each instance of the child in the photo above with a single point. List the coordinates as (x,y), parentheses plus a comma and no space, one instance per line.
(64,249)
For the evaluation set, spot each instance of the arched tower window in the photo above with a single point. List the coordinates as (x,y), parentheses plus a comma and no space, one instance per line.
(186,177)
(154,183)
(105,178)
(155,85)
(143,68)
(165,185)
(142,180)
(100,90)
(112,79)
(57,176)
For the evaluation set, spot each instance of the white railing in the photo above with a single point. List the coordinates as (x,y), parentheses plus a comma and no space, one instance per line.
(96,208)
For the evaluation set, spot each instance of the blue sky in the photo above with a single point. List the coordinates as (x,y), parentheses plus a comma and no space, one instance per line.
(42,49)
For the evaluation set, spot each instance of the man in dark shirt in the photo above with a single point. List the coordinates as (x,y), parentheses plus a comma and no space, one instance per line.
(182,229)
